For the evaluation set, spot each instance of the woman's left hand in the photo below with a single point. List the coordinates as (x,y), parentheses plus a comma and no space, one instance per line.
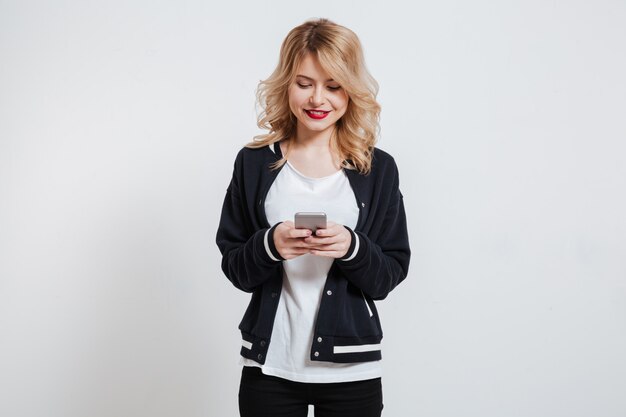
(334,241)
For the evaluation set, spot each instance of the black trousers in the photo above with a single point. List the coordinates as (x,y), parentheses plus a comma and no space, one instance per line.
(269,396)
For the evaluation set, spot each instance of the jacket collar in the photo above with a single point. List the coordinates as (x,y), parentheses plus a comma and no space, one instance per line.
(275,148)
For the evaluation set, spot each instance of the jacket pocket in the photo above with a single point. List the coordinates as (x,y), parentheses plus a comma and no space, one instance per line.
(369,310)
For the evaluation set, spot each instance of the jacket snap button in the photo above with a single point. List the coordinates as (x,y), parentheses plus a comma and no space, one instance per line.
(260,356)
(262,343)
(319,339)
(274,295)
(316,354)
(329,292)
(362,204)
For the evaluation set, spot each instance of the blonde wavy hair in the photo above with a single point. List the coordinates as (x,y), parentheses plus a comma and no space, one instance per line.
(340,54)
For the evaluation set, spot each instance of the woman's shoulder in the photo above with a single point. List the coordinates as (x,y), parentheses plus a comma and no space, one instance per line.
(382,160)
(382,155)
(251,154)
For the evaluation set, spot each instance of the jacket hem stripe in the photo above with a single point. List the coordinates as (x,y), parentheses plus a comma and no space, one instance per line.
(355,348)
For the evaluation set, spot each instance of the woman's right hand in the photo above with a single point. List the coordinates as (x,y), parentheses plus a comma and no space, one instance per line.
(289,241)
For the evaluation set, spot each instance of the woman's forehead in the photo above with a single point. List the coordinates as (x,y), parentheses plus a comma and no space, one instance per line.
(310,68)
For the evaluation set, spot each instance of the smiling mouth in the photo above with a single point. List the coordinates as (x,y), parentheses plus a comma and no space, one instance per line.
(316,114)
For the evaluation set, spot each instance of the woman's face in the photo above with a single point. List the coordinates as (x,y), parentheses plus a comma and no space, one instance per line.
(314,98)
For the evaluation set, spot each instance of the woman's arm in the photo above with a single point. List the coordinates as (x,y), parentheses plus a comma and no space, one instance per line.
(249,257)
(382,258)
(379,266)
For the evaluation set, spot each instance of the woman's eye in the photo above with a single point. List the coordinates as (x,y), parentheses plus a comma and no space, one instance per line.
(308,85)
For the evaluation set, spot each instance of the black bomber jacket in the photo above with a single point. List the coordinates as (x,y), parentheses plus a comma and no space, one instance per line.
(347,328)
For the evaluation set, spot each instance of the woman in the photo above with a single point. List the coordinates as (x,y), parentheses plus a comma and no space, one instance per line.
(311,333)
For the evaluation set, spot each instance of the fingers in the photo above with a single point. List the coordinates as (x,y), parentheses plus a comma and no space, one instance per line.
(295,252)
(299,233)
(289,241)
(332,234)
(321,240)
(333,241)
(332,229)
(296,233)
(287,230)
(329,254)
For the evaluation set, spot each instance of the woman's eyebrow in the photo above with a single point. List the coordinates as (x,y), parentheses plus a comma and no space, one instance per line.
(309,78)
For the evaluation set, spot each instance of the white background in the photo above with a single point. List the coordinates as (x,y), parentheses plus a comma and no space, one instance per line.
(119,124)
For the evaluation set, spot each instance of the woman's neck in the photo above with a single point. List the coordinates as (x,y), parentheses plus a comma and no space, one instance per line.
(308,138)
(312,156)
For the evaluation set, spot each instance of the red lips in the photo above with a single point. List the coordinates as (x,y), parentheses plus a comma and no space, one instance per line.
(317,116)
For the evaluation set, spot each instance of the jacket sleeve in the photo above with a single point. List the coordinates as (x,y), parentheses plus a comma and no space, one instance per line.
(249,256)
(380,264)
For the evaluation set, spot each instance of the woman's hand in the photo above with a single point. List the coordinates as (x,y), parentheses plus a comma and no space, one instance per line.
(289,241)
(334,241)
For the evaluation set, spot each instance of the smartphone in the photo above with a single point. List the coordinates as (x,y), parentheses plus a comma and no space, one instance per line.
(310,220)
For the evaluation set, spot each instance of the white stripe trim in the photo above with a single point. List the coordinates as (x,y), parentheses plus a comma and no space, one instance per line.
(356,348)
(267,246)
(356,248)
(246,344)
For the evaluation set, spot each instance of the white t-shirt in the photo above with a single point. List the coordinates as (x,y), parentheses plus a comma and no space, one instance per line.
(304,279)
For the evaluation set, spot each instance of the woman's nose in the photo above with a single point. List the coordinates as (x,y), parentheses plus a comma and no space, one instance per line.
(317,98)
